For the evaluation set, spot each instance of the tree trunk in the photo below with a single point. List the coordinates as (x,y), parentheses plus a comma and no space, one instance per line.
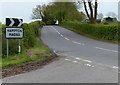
(93,14)
(91,9)
(92,21)
(86,10)
(96,6)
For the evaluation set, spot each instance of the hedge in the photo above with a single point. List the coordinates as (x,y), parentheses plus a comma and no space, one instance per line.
(100,31)
(31,31)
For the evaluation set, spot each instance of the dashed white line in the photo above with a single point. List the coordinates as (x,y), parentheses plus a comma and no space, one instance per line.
(74,61)
(88,61)
(83,43)
(78,43)
(106,49)
(115,67)
(78,58)
(66,38)
(88,65)
(61,35)
(75,42)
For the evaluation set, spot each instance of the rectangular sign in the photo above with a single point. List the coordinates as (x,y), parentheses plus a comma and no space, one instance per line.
(14,22)
(14,32)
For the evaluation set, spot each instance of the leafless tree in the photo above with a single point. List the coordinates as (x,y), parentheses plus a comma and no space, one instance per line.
(91,9)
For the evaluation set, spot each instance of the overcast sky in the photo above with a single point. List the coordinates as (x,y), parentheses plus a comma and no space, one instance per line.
(24,9)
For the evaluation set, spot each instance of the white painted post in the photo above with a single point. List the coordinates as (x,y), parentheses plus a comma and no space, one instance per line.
(19,50)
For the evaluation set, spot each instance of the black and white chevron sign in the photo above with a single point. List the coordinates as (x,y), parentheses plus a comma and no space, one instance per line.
(14,22)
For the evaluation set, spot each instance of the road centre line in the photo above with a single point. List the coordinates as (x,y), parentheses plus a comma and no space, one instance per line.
(66,38)
(58,32)
(106,49)
(88,62)
(82,43)
(61,35)
(77,43)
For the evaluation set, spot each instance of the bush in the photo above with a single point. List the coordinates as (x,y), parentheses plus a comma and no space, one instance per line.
(31,31)
(106,32)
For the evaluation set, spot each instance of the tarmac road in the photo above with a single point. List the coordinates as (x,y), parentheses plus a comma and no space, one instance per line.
(85,60)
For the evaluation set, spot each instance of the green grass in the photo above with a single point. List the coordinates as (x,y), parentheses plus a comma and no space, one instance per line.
(111,23)
(37,53)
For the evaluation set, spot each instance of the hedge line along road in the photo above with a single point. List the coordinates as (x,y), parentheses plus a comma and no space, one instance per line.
(85,60)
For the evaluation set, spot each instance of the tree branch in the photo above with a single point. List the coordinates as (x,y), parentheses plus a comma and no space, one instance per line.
(96,6)
(91,10)
(86,9)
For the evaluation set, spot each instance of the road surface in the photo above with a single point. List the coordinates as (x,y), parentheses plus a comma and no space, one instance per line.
(85,60)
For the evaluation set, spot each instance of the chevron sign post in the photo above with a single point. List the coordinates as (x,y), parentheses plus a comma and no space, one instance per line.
(14,22)
(15,33)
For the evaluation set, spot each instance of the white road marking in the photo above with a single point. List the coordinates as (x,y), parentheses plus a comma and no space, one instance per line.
(61,35)
(106,49)
(74,61)
(66,38)
(58,32)
(76,42)
(88,61)
(88,65)
(77,58)
(81,59)
(115,67)
(67,59)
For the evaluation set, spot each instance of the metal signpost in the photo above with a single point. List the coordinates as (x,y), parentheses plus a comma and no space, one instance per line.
(14,33)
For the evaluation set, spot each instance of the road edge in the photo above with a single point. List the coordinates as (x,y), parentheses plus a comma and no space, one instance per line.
(30,66)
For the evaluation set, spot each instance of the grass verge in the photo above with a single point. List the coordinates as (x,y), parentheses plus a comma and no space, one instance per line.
(38,53)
